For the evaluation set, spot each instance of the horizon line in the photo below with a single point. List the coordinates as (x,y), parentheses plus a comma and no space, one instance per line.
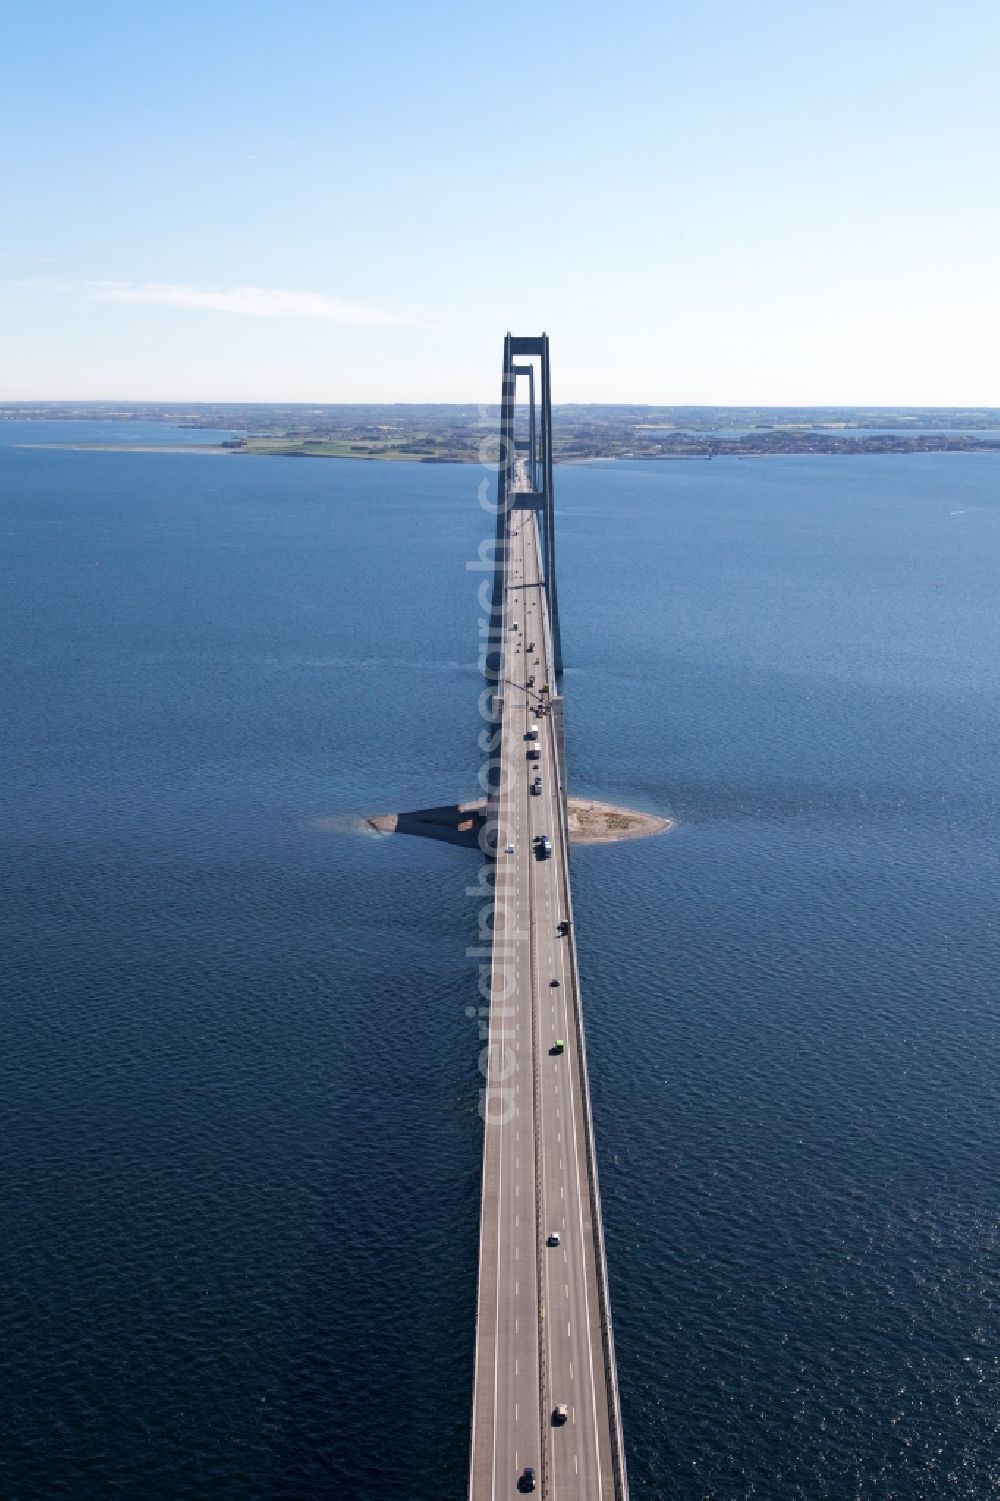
(771,406)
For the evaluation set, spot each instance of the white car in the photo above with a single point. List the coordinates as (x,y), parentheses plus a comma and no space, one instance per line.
(509,850)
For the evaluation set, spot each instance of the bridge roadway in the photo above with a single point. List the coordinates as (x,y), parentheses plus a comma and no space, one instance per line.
(538,1332)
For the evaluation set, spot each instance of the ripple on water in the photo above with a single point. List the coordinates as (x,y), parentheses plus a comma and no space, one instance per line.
(239,1088)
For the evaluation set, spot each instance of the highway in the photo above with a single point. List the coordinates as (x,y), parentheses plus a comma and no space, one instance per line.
(539,1342)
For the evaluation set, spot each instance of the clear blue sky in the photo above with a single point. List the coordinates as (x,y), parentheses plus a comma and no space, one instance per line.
(732,202)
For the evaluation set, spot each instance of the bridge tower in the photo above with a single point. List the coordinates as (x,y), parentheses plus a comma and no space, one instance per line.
(534,450)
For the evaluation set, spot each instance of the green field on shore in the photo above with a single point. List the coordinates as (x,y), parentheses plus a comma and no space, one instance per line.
(410,450)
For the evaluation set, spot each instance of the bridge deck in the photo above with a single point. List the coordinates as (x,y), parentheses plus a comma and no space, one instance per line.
(542,1336)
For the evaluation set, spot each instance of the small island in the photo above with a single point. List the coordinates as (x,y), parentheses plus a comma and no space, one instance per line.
(590,822)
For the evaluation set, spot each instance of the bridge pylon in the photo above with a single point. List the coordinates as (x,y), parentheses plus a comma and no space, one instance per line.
(526,461)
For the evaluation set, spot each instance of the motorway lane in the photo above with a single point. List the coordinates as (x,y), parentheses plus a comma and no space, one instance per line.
(517,1415)
(525,1325)
(579,1463)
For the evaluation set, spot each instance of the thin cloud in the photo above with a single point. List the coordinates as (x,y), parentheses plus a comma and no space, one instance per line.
(245,302)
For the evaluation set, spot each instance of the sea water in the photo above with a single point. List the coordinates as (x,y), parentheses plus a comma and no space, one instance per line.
(239,1086)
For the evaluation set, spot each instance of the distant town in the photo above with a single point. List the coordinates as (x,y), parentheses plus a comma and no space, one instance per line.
(466,434)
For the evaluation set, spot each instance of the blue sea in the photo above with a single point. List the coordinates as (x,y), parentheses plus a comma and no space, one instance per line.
(238,1082)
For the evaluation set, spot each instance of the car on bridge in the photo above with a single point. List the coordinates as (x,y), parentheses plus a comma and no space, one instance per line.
(536,786)
(559,1046)
(527,1480)
(560,1414)
(543,846)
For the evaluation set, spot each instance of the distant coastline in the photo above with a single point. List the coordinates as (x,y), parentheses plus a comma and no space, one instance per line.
(459,434)
(314,451)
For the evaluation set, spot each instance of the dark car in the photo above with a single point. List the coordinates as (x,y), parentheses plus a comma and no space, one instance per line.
(527,1480)
(553,981)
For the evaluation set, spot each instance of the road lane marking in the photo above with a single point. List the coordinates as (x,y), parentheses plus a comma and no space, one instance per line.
(586,1290)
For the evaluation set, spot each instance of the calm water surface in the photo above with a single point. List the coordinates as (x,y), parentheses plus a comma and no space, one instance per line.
(238,1089)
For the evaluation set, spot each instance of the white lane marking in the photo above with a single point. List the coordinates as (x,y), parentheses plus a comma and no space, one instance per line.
(586,1290)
